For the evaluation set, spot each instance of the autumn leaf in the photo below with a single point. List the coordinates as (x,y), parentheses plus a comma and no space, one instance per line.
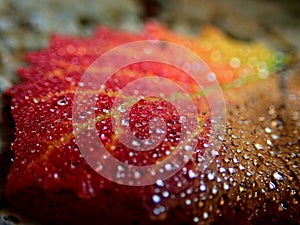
(48,163)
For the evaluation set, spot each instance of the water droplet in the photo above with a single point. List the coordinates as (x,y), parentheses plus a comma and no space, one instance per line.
(159,131)
(268,130)
(282,207)
(168,167)
(258,146)
(235,62)
(188,202)
(122,108)
(241,167)
(36,100)
(205,215)
(272,185)
(202,187)
(222,170)
(211,77)
(125,122)
(159,210)
(274,136)
(137,175)
(246,157)
(226,186)
(242,188)
(155,198)
(188,148)
(214,153)
(249,173)
(62,102)
(192,174)
(214,190)
(196,219)
(211,176)
(231,170)
(222,201)
(182,119)
(165,194)
(277,176)
(269,142)
(135,143)
(121,168)
(160,183)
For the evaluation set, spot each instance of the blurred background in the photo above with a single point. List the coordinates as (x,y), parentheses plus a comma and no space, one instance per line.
(27,25)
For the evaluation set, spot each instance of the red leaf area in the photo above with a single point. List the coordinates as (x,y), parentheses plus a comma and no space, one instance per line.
(45,151)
